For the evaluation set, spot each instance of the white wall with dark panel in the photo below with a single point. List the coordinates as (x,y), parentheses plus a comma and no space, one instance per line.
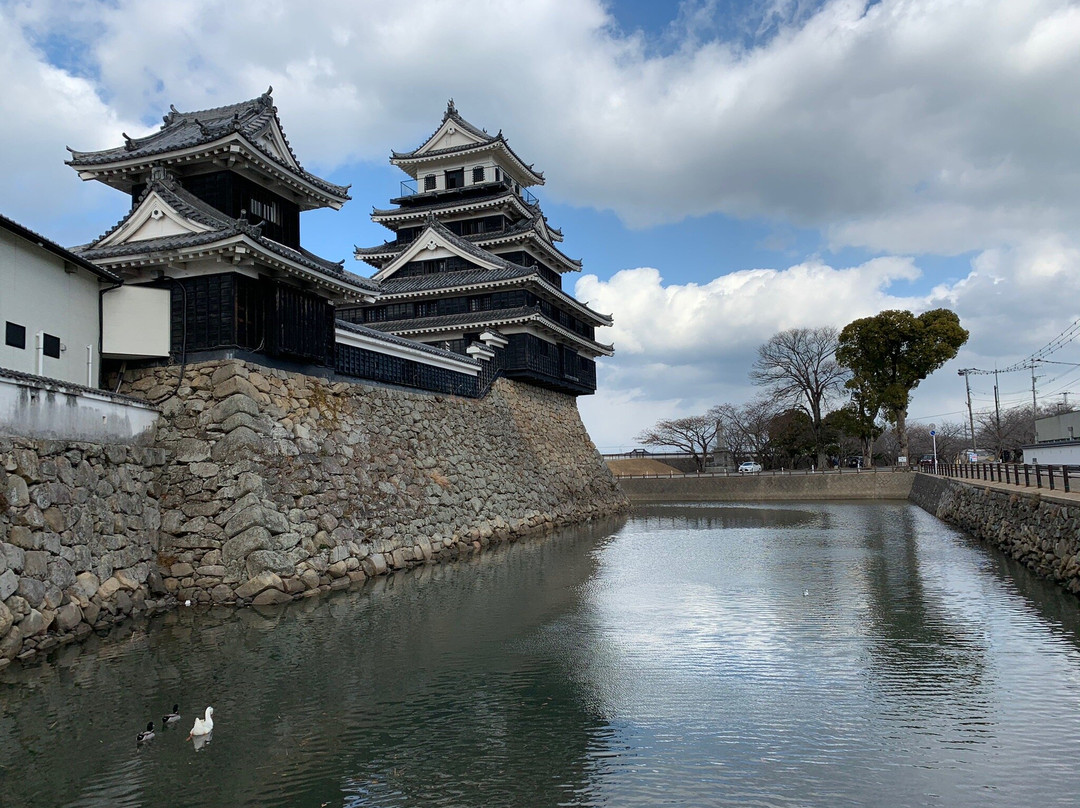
(48,313)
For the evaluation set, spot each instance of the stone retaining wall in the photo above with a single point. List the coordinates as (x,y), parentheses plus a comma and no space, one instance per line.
(769,487)
(1038,529)
(263,486)
(78,534)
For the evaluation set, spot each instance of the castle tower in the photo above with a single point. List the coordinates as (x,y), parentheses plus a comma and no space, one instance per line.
(474,265)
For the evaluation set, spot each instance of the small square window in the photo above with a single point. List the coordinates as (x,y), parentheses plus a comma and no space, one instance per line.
(15,335)
(478,174)
(51,346)
(429,182)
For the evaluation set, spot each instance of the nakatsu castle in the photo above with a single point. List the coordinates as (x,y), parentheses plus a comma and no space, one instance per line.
(208,264)
(473,265)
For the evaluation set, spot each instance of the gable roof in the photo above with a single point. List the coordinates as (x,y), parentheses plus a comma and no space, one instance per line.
(51,246)
(254,122)
(192,223)
(492,269)
(478,140)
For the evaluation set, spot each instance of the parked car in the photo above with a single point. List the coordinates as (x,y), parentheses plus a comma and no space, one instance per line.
(749,467)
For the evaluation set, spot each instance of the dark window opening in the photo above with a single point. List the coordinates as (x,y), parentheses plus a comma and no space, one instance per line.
(478,174)
(455,179)
(15,335)
(51,346)
(265,210)
(429,182)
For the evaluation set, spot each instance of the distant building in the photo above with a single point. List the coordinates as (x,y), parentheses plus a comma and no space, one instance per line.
(1057,441)
(474,266)
(49,300)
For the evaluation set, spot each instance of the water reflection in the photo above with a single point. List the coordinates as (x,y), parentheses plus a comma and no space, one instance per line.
(671,660)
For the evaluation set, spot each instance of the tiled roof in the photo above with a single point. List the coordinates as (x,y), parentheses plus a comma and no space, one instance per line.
(182,130)
(480,254)
(521,228)
(451,320)
(486,319)
(51,246)
(393,339)
(190,206)
(451,280)
(52,384)
(451,114)
(439,203)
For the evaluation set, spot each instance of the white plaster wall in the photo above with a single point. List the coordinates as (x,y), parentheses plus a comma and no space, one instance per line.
(135,322)
(37,293)
(54,412)
(1049,454)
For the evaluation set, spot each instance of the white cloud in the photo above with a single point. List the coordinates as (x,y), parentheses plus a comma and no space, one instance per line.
(906,126)
(699,341)
(44,109)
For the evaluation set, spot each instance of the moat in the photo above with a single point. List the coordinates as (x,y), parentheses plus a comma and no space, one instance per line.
(806,654)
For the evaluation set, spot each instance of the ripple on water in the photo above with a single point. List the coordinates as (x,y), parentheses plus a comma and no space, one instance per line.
(671,660)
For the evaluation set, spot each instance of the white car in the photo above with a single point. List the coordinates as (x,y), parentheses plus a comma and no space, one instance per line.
(749,467)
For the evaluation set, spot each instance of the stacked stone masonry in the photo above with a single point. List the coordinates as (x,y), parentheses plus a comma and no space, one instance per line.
(263,486)
(79,530)
(1029,526)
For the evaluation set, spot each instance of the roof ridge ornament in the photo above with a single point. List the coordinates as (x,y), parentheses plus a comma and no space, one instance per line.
(247,228)
(203,128)
(173,114)
(163,175)
(450,108)
(129,142)
(266,100)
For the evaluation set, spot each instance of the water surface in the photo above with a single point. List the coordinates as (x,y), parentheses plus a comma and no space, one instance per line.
(803,655)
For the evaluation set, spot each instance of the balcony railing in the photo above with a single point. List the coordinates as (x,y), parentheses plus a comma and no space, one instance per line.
(411,187)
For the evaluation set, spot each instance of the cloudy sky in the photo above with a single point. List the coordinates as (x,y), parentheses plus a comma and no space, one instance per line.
(725,168)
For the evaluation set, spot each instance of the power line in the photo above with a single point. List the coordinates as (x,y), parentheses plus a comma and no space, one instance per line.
(1056,344)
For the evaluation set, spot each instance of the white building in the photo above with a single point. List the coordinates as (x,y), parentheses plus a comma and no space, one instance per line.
(49,307)
(1058,441)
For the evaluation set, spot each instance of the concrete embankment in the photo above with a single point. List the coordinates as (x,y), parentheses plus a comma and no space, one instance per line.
(769,488)
(1039,528)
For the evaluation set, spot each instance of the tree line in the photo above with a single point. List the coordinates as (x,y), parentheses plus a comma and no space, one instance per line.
(824,392)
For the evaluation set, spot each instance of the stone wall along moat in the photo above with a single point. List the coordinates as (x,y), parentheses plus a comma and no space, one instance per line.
(263,486)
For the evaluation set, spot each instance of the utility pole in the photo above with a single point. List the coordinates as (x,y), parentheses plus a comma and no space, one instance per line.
(971,418)
(1034,409)
(997,414)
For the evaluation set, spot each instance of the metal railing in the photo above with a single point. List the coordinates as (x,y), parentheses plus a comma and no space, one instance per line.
(767,473)
(1027,475)
(411,187)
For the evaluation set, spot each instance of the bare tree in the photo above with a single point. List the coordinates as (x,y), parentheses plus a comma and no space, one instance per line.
(799,367)
(744,430)
(693,434)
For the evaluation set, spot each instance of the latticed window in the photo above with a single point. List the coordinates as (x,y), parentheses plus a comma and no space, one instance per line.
(429,182)
(478,174)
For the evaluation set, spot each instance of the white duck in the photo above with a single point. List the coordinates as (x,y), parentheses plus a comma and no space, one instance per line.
(203,726)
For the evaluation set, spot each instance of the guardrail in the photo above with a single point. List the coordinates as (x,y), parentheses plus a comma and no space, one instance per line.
(767,473)
(1028,475)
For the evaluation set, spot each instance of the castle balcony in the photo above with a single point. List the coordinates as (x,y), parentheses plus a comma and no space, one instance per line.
(486,178)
